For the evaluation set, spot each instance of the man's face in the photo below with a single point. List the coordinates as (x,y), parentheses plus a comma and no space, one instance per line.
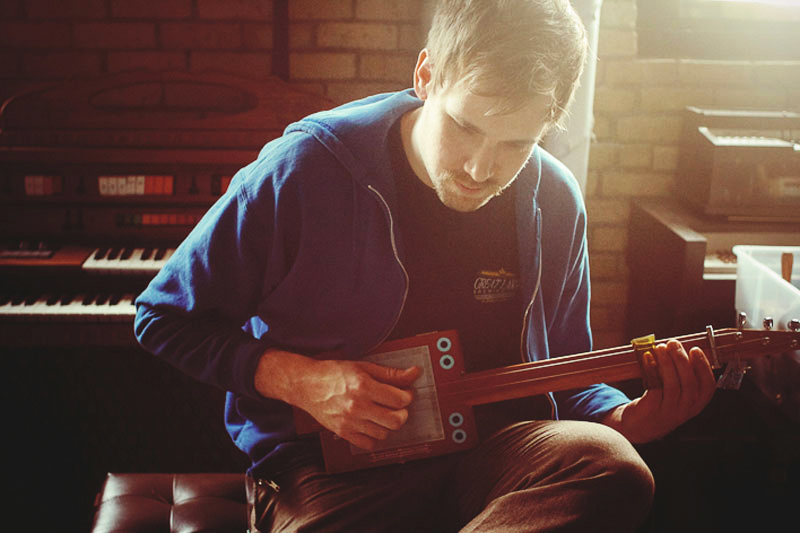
(467,155)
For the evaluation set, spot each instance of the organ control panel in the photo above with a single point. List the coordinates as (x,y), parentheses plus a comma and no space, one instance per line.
(100,180)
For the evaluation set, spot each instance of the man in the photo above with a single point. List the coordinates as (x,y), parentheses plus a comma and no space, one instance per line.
(383,219)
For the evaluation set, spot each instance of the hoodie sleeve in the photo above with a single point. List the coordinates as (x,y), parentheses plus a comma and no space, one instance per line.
(192,313)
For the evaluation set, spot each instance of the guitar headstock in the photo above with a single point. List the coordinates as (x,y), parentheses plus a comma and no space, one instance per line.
(735,347)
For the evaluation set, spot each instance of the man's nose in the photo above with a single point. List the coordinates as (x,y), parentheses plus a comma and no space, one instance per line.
(480,164)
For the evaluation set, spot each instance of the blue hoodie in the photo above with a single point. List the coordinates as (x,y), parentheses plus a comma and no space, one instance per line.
(302,253)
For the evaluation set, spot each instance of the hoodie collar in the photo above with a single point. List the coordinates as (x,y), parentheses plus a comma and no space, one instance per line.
(357,134)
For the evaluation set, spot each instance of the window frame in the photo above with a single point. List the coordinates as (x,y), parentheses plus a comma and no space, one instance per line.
(663,33)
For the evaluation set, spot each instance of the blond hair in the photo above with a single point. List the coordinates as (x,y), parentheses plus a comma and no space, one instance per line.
(512,49)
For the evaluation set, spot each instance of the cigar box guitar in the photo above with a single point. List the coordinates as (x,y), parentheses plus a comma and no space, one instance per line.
(440,416)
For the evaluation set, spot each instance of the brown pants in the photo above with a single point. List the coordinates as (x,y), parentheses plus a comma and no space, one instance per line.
(532,476)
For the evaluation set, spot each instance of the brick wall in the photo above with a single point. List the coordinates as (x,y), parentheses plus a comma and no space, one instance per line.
(352,48)
(47,40)
(637,108)
(343,48)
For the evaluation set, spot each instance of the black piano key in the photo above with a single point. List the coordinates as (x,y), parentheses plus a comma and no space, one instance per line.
(101,252)
(66,299)
(160,253)
(17,299)
(115,298)
(126,253)
(101,299)
(53,299)
(4,299)
(146,253)
(87,300)
(31,299)
(114,253)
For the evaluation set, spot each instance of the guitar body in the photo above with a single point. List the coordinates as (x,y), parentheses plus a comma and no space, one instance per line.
(436,424)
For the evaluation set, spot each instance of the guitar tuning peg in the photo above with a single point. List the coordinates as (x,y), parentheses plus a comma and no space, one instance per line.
(768,323)
(794,325)
(741,320)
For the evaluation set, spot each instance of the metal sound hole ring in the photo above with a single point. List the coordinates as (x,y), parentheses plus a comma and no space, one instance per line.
(459,436)
(456,419)
(446,361)
(444,344)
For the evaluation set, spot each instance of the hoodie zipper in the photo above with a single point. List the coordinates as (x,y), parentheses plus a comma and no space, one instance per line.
(388,211)
(523,345)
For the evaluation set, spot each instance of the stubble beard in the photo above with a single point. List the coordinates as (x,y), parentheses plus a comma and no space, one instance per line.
(449,193)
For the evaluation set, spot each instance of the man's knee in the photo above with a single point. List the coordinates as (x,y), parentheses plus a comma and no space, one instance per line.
(622,477)
(566,474)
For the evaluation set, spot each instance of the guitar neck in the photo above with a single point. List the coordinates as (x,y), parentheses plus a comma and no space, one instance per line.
(582,370)
(539,377)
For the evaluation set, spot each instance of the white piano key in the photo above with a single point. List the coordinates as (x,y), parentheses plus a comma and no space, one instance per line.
(16,305)
(137,264)
(39,308)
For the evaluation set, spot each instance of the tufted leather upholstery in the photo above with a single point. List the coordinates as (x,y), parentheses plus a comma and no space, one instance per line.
(179,503)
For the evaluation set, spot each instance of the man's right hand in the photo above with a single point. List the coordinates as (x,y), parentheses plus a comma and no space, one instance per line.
(358,400)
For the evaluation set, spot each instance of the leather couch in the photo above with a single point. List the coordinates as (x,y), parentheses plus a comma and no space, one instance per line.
(179,503)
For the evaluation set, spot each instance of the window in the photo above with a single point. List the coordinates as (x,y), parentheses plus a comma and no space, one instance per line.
(719,29)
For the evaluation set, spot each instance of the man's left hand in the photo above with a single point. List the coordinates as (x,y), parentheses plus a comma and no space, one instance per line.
(688,385)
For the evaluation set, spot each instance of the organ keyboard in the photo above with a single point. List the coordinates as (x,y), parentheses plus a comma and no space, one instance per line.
(93,307)
(127,260)
(101,179)
(741,164)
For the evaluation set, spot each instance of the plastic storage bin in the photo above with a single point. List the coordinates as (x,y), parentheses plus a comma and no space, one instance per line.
(762,292)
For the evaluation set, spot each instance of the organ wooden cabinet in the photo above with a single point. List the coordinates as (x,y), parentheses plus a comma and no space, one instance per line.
(101,179)
(682,269)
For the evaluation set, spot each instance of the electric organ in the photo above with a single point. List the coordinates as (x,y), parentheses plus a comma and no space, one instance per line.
(100,180)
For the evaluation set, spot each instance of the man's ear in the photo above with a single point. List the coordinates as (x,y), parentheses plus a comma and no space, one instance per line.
(423,75)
